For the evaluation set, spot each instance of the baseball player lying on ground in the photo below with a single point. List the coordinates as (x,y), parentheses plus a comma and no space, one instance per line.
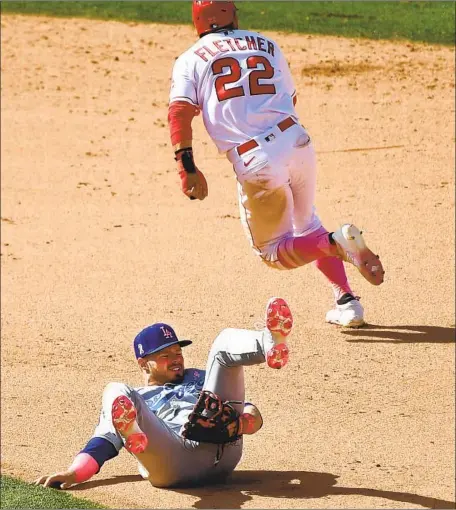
(241,82)
(184,426)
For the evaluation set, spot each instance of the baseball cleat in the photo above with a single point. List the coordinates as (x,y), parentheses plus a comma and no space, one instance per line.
(352,248)
(279,321)
(278,356)
(136,443)
(124,420)
(348,312)
(278,316)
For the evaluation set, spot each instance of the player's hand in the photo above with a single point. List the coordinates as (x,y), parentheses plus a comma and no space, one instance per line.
(194,185)
(62,480)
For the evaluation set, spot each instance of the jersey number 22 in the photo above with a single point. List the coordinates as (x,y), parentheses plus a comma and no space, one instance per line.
(255,87)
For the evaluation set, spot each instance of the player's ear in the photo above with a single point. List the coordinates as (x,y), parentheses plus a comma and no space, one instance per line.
(143,364)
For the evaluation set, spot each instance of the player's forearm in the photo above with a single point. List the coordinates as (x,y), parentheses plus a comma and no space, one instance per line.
(83,467)
(180,116)
(86,464)
(90,460)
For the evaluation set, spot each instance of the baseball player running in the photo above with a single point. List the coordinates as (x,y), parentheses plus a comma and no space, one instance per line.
(241,82)
(184,426)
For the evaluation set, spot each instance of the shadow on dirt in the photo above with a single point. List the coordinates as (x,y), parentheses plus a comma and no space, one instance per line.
(115,480)
(402,334)
(242,486)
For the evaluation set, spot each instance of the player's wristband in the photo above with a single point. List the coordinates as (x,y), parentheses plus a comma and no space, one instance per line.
(185,156)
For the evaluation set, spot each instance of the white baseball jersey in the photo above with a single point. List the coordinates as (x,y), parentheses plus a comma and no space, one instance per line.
(241,82)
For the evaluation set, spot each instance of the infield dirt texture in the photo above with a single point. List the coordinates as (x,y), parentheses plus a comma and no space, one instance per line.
(98,242)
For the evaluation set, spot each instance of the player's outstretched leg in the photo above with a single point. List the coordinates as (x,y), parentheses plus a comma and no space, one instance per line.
(352,248)
(279,321)
(124,420)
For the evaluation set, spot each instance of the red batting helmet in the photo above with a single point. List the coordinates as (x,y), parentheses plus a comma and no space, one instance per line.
(212,15)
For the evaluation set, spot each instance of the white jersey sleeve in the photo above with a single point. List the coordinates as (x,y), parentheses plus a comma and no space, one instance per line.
(183,84)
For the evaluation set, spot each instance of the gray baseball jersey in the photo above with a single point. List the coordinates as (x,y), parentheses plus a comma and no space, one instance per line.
(172,403)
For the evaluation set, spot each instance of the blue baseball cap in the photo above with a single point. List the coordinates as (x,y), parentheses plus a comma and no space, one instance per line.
(155,338)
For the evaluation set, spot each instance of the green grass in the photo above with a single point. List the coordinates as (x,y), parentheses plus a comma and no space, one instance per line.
(18,494)
(432,22)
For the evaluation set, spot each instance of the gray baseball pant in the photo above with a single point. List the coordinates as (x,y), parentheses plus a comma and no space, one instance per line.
(170,460)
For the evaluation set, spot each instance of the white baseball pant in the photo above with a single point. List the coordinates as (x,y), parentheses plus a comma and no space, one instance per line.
(276,186)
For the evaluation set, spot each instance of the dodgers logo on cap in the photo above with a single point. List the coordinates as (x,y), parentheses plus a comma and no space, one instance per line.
(166,332)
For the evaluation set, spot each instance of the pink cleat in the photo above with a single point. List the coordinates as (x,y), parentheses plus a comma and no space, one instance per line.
(124,420)
(279,321)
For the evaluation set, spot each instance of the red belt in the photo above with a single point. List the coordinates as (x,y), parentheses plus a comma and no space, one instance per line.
(251,144)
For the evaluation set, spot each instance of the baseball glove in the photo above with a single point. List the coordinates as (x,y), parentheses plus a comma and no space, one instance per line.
(212,420)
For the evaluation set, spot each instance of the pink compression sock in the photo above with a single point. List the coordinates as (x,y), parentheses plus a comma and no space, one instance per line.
(299,251)
(334,270)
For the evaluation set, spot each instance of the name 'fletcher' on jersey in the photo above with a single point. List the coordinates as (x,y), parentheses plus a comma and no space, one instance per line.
(235,44)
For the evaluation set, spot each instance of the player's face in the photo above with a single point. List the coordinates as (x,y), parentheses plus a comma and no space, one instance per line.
(166,365)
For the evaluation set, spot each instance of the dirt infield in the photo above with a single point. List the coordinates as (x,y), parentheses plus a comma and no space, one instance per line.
(98,241)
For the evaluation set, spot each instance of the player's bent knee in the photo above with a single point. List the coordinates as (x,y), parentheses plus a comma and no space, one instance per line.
(275,264)
(115,386)
(286,256)
(224,336)
(114,389)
